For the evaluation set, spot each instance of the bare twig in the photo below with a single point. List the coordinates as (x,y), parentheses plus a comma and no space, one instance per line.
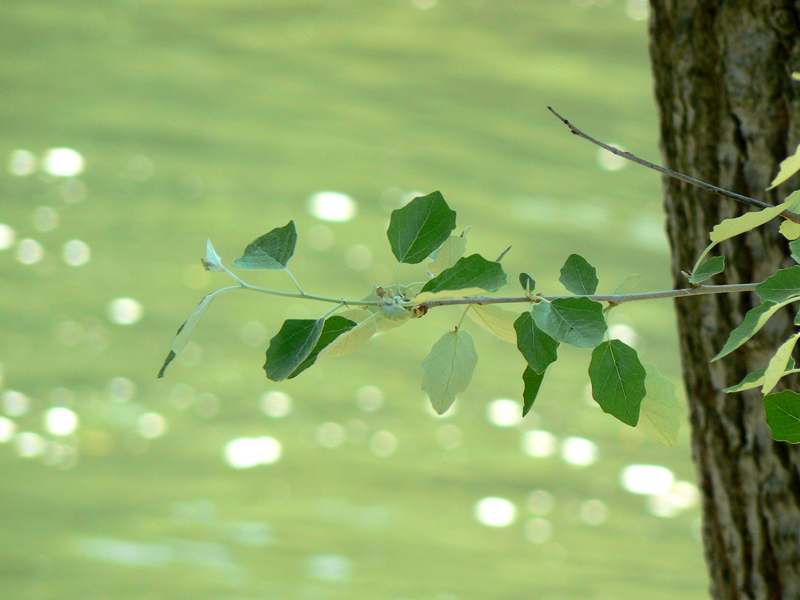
(706,186)
(614,299)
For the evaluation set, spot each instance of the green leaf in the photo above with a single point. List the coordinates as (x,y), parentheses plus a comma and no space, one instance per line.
(185,331)
(578,276)
(708,269)
(448,253)
(576,321)
(795,248)
(350,341)
(783,285)
(627,284)
(270,251)
(527,283)
(790,230)
(783,415)
(756,378)
(448,368)
(291,346)
(497,321)
(750,220)
(778,363)
(470,272)
(754,320)
(789,166)
(661,413)
(332,329)
(618,379)
(532,381)
(538,348)
(420,227)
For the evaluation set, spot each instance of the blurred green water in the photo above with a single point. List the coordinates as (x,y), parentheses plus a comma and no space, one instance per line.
(220,119)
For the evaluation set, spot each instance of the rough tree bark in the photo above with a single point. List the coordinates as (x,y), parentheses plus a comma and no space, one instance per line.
(729,114)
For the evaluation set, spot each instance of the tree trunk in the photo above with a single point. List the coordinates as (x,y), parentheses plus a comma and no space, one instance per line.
(729,114)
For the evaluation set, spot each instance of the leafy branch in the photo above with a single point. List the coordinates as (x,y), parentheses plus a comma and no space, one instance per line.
(633,392)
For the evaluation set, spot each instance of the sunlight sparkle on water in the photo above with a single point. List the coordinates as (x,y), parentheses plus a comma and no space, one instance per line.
(121,389)
(624,333)
(538,531)
(369,398)
(29,252)
(151,425)
(124,311)
(579,452)
(332,206)
(539,443)
(60,421)
(29,445)
(7,430)
(244,453)
(646,479)
(330,435)
(330,567)
(14,403)
(76,253)
(495,512)
(504,412)
(638,10)
(593,512)
(276,404)
(7,236)
(21,163)
(383,443)
(62,162)
(610,161)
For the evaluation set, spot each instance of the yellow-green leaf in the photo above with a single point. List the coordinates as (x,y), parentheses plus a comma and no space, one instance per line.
(750,220)
(497,321)
(790,230)
(448,254)
(789,167)
(354,339)
(661,413)
(777,364)
(448,368)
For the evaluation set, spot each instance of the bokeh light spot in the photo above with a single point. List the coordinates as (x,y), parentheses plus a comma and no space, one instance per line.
(538,530)
(495,512)
(62,162)
(504,412)
(14,403)
(151,425)
(21,163)
(330,435)
(7,429)
(276,404)
(244,453)
(539,443)
(29,444)
(579,452)
(541,502)
(125,311)
(332,206)
(60,421)
(7,236)
(383,443)
(45,219)
(369,398)
(76,253)
(29,252)
(646,479)
(593,512)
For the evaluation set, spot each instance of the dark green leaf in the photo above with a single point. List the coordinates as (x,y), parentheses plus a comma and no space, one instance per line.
(538,348)
(783,415)
(783,285)
(532,381)
(617,379)
(795,248)
(527,283)
(502,254)
(708,269)
(332,329)
(291,346)
(576,321)
(753,321)
(270,251)
(469,272)
(578,276)
(420,227)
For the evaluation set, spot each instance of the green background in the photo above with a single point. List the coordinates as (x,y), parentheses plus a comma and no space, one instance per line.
(216,118)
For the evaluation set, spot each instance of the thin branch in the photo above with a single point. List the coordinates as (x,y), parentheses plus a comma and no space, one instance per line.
(706,186)
(613,299)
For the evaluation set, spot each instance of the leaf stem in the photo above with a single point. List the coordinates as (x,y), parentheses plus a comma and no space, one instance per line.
(295,280)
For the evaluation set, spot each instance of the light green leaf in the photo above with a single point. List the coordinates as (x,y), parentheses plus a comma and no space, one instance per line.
(527,283)
(795,249)
(538,348)
(448,253)
(783,285)
(448,368)
(470,272)
(661,413)
(576,321)
(333,328)
(497,321)
(778,363)
(212,261)
(420,227)
(350,341)
(618,380)
(708,269)
(783,415)
(185,330)
(750,220)
(578,276)
(789,167)
(291,346)
(756,378)
(270,251)
(627,284)
(532,381)
(754,320)
(790,230)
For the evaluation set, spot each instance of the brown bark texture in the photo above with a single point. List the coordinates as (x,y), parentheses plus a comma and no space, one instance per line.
(729,113)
